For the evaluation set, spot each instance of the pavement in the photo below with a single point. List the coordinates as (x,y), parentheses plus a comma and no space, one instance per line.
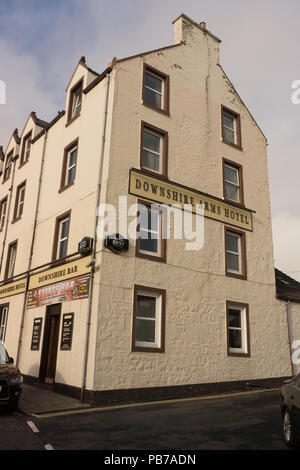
(36,400)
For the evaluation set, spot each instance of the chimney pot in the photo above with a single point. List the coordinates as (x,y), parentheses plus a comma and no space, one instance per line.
(203,25)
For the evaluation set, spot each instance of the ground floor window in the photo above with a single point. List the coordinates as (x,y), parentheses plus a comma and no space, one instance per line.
(238,342)
(3,320)
(148,319)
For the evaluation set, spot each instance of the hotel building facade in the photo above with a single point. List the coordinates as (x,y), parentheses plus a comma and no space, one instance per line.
(155,320)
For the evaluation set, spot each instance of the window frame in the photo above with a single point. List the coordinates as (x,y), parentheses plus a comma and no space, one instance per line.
(18,216)
(10,156)
(56,242)
(161,256)
(3,324)
(77,86)
(7,275)
(166,88)
(245,328)
(237,119)
(4,200)
(159,345)
(145,126)
(239,169)
(242,253)
(65,168)
(27,138)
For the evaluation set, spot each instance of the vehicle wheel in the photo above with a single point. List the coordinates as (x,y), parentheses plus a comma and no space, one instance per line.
(289,430)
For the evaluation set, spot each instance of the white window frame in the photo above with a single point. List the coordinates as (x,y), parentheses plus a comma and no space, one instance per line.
(27,147)
(8,165)
(157,212)
(70,167)
(3,210)
(158,317)
(61,239)
(232,184)
(242,328)
(12,260)
(3,321)
(239,253)
(162,93)
(76,102)
(159,154)
(20,201)
(234,129)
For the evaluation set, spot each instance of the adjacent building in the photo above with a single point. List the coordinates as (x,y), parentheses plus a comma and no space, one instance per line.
(155,320)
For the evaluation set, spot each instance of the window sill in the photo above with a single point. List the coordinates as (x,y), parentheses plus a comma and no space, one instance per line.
(236,354)
(16,220)
(156,108)
(70,121)
(159,259)
(234,203)
(23,163)
(153,173)
(64,188)
(145,349)
(237,276)
(236,146)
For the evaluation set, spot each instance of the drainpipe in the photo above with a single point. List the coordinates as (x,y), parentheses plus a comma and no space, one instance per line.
(94,252)
(289,336)
(31,248)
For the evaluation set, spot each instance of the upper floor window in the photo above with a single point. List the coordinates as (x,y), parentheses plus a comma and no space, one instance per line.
(69,165)
(3,211)
(8,166)
(19,202)
(150,242)
(3,320)
(75,101)
(233,182)
(156,89)
(154,149)
(231,127)
(26,148)
(11,260)
(235,245)
(61,236)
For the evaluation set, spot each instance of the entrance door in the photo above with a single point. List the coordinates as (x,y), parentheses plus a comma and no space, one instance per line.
(50,344)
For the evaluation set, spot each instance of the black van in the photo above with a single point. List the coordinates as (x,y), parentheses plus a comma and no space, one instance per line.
(10,380)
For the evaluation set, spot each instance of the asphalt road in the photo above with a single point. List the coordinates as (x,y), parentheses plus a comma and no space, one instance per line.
(244,422)
(15,433)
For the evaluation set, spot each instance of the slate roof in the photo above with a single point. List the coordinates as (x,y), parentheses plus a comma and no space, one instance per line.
(287,288)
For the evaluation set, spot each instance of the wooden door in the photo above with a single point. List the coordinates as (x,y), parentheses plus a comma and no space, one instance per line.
(50,344)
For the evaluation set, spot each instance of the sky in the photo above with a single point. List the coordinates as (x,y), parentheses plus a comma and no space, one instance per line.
(41,43)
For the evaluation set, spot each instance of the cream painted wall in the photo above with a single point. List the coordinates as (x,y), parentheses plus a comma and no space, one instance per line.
(196,285)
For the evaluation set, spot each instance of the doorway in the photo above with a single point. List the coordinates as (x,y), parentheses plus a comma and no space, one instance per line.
(50,344)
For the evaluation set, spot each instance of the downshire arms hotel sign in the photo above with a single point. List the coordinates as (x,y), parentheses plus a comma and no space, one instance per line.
(166,192)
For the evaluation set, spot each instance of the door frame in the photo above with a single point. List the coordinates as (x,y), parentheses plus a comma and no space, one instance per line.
(44,361)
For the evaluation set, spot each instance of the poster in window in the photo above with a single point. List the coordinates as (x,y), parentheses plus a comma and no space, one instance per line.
(36,334)
(67,332)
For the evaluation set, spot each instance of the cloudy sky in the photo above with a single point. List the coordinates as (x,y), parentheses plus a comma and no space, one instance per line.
(42,41)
